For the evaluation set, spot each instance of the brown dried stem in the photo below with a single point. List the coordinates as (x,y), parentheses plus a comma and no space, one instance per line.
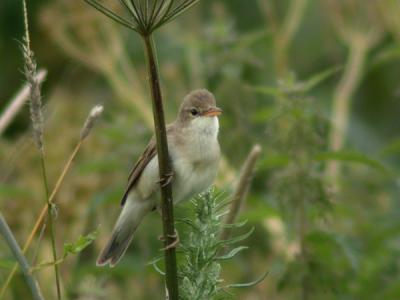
(242,189)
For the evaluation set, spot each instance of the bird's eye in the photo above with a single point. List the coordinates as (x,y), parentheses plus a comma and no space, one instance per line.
(194,112)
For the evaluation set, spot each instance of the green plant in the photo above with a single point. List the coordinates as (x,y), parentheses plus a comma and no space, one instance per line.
(202,250)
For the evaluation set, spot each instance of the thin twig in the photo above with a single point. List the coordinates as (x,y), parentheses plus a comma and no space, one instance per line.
(50,224)
(15,249)
(242,189)
(17,102)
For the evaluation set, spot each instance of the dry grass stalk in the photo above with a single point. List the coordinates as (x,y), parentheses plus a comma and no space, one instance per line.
(30,69)
(93,115)
(242,188)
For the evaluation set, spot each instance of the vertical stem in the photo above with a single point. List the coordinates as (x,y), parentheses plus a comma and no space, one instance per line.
(15,249)
(165,168)
(342,100)
(285,35)
(51,227)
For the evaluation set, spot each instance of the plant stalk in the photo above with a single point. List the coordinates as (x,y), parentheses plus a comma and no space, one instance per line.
(165,168)
(51,227)
(242,189)
(13,245)
(342,102)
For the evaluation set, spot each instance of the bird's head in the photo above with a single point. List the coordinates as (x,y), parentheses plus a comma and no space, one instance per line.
(199,109)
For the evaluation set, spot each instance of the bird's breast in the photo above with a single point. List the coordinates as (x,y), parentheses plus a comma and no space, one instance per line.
(195,169)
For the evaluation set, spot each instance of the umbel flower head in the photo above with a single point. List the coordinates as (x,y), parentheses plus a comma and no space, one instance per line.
(145,16)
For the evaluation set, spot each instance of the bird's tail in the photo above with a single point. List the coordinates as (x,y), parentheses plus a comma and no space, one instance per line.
(129,219)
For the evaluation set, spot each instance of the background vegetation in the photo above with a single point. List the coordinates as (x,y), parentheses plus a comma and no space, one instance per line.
(290,75)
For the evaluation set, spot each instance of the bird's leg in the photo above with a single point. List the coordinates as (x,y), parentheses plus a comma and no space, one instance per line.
(166,179)
(175,243)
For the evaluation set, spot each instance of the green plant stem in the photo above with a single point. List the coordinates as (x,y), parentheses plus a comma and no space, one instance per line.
(15,249)
(165,167)
(51,227)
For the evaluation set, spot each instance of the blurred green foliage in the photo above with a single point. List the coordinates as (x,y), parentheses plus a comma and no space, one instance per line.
(276,68)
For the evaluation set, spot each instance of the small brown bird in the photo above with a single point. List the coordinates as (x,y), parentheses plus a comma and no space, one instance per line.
(194,152)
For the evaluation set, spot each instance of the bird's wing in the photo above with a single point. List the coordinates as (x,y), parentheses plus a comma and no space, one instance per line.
(137,170)
(144,159)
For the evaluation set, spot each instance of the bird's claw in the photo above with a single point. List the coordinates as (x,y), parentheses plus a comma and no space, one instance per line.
(175,243)
(166,179)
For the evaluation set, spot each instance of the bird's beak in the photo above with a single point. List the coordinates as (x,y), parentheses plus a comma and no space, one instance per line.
(212,112)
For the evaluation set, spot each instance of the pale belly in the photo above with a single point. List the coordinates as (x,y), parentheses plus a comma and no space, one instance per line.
(191,180)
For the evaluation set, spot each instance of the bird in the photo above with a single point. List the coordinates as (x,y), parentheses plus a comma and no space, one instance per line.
(194,153)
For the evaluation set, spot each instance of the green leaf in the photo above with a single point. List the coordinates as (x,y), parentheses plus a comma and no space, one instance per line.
(232,253)
(290,86)
(319,78)
(80,244)
(388,54)
(355,157)
(248,284)
(235,225)
(236,239)
(69,248)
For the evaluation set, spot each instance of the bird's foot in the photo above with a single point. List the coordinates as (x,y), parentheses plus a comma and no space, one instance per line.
(166,179)
(174,244)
